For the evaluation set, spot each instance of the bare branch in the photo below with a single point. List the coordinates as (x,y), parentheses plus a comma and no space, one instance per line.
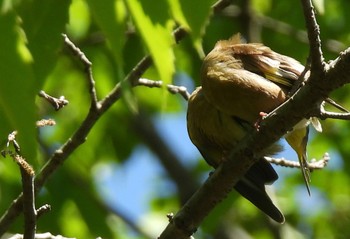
(42,210)
(171,88)
(11,139)
(336,105)
(28,203)
(27,174)
(314,164)
(333,115)
(88,69)
(179,90)
(313,31)
(57,103)
(45,122)
(220,5)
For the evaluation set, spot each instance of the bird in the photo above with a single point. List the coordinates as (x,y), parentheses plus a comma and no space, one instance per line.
(215,134)
(246,80)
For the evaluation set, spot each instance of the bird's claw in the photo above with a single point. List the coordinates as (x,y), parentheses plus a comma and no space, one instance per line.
(262,116)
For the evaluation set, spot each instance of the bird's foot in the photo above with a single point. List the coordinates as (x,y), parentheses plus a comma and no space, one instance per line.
(262,116)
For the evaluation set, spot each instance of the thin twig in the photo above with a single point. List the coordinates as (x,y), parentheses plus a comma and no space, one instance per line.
(45,122)
(179,90)
(57,103)
(88,69)
(313,164)
(336,105)
(313,31)
(333,115)
(323,114)
(11,139)
(315,61)
(171,88)
(27,174)
(42,210)
(220,5)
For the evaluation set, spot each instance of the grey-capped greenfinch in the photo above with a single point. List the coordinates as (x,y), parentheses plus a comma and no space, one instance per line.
(215,134)
(243,80)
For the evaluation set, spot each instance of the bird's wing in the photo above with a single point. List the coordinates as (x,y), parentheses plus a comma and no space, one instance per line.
(278,68)
(239,92)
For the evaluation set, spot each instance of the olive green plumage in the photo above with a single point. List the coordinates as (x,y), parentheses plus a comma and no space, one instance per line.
(215,134)
(244,80)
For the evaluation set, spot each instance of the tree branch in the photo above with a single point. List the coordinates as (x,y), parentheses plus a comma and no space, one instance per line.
(87,67)
(314,164)
(171,88)
(57,103)
(29,211)
(313,31)
(42,210)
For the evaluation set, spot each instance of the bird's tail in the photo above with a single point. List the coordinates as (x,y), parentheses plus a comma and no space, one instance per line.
(252,187)
(297,139)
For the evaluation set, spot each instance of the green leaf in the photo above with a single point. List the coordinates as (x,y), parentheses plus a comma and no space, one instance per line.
(79,19)
(44,33)
(262,7)
(155,26)
(178,14)
(197,14)
(110,15)
(319,5)
(17,87)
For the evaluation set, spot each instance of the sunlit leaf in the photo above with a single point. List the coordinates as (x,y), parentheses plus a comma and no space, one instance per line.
(197,14)
(319,5)
(154,25)
(79,19)
(44,33)
(111,17)
(17,87)
(178,14)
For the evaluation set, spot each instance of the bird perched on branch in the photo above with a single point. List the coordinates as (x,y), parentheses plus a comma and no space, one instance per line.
(244,80)
(240,83)
(215,134)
